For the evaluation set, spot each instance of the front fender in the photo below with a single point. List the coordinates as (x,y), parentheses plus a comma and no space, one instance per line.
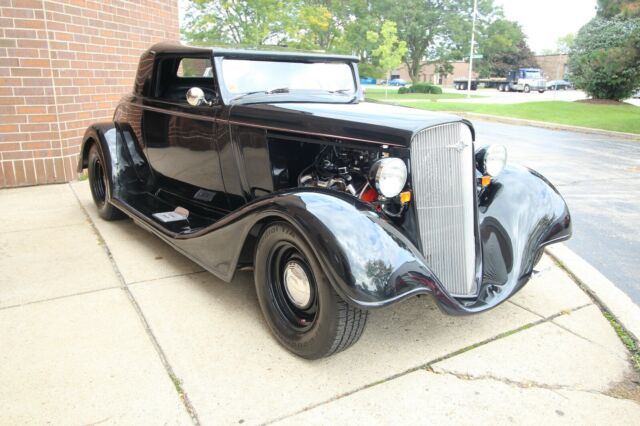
(371,263)
(520,213)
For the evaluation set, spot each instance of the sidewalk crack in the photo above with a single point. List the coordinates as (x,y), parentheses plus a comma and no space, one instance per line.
(519,384)
(177,383)
(428,365)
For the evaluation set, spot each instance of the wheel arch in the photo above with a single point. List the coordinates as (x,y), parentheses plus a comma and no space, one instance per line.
(326,222)
(87,143)
(105,135)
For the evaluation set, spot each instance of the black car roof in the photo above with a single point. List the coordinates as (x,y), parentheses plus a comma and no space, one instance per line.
(259,54)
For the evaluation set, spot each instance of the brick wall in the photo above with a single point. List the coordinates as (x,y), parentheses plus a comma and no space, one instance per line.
(64,65)
(553,66)
(428,73)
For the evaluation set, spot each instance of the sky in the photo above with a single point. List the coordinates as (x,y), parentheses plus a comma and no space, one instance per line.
(543,21)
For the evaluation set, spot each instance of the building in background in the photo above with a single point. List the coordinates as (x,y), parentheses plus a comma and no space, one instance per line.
(63,65)
(553,66)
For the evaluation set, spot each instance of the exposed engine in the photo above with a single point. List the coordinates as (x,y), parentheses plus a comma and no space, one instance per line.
(341,169)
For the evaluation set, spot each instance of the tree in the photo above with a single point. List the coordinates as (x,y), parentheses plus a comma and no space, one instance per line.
(565,43)
(504,48)
(420,23)
(322,24)
(391,50)
(605,60)
(443,68)
(244,22)
(618,8)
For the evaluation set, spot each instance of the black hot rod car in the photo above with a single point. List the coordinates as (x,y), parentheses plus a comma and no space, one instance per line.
(241,158)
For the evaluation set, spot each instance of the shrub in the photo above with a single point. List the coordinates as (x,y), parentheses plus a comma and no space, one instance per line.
(605,60)
(421,88)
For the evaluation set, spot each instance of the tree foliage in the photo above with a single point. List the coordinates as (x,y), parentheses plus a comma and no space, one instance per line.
(618,8)
(390,50)
(504,48)
(565,43)
(605,60)
(241,22)
(434,31)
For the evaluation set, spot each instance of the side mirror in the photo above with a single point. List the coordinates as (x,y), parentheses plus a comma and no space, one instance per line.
(195,97)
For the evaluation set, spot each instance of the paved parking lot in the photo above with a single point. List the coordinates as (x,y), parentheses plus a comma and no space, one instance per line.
(103,323)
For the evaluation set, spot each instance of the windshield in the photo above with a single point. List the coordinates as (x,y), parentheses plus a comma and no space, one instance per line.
(533,74)
(241,76)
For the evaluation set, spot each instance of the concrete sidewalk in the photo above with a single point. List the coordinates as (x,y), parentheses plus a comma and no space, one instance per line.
(102,322)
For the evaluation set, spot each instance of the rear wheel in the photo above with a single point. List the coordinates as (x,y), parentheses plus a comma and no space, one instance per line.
(99,184)
(299,304)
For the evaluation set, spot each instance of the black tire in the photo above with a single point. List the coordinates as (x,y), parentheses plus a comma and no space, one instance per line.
(98,182)
(325,324)
(540,91)
(527,89)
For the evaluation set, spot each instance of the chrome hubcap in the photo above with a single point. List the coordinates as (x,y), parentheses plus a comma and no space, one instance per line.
(297,285)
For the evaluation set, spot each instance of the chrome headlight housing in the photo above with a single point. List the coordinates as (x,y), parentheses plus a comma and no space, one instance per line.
(389,175)
(492,159)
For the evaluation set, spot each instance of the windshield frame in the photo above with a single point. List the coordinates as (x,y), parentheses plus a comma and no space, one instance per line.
(229,98)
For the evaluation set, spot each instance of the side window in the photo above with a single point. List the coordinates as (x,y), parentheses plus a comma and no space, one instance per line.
(194,68)
(175,75)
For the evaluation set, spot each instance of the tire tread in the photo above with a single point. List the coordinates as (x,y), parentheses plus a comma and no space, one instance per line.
(351,324)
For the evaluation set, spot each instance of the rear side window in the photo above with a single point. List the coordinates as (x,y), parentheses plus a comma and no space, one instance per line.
(194,67)
(175,75)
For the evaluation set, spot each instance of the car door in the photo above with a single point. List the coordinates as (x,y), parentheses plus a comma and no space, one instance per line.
(180,139)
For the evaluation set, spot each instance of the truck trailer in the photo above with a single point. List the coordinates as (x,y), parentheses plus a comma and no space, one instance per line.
(520,80)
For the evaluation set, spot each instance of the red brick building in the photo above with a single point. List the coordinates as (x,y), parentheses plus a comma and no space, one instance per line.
(63,65)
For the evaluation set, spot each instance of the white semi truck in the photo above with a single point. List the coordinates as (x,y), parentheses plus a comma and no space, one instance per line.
(520,80)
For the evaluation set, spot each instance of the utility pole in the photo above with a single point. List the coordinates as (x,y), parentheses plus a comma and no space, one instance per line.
(473,40)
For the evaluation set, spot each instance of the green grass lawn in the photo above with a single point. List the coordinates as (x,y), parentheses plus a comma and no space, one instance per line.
(377,94)
(621,118)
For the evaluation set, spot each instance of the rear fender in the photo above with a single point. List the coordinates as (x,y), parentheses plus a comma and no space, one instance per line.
(124,162)
(106,136)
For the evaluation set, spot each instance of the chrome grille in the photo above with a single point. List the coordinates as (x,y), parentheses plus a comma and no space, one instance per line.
(442,176)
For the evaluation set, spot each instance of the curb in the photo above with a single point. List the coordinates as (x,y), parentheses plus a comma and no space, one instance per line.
(553,126)
(599,287)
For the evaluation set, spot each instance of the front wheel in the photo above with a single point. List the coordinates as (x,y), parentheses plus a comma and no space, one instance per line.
(527,89)
(300,306)
(99,184)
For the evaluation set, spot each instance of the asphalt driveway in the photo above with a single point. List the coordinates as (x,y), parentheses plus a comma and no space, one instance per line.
(103,323)
(599,176)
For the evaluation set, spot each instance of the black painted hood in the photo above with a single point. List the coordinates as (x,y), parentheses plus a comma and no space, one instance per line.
(365,121)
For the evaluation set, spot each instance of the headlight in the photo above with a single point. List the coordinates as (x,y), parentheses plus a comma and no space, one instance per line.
(389,176)
(492,159)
